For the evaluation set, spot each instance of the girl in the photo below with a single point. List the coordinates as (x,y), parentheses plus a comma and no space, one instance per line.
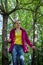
(18,39)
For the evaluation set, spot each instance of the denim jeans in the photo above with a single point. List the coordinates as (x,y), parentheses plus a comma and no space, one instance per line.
(18,52)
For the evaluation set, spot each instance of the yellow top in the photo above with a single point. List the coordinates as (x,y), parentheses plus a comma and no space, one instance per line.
(18,37)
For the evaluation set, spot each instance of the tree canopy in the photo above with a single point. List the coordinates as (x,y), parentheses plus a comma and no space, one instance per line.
(30,13)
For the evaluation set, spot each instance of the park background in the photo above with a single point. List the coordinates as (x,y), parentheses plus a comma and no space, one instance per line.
(30,13)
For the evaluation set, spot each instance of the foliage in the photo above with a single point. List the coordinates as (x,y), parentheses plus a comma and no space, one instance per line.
(26,13)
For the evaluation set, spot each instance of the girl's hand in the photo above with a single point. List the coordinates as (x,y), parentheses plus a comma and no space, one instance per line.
(9,39)
(33,47)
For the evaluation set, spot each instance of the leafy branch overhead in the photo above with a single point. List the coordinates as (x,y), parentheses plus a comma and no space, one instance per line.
(30,13)
(7,8)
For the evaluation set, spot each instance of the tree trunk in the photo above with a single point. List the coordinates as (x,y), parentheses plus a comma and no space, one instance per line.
(42,52)
(34,57)
(42,46)
(4,43)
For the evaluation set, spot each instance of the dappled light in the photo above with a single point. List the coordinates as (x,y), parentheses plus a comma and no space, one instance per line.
(30,14)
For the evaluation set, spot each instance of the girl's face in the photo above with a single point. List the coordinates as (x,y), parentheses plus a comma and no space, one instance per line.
(18,24)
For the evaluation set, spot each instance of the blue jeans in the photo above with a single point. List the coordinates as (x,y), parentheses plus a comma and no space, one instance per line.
(18,52)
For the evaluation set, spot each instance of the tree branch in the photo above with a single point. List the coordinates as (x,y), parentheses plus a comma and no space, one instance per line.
(40,14)
(6,6)
(17,2)
(2,7)
(1,12)
(11,19)
(19,9)
(27,3)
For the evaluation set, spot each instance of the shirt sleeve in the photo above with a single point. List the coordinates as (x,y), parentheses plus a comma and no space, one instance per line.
(28,40)
(10,34)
